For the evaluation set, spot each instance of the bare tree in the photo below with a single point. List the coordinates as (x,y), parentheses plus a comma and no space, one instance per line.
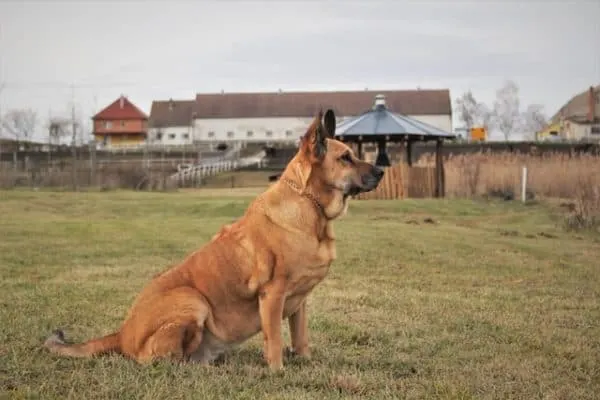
(20,124)
(506,115)
(58,128)
(473,113)
(466,106)
(533,120)
(484,116)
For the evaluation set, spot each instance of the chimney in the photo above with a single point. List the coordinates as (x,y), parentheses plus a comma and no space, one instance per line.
(379,101)
(122,101)
(171,104)
(591,104)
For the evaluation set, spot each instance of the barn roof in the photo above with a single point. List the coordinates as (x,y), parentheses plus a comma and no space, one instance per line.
(307,104)
(121,108)
(165,113)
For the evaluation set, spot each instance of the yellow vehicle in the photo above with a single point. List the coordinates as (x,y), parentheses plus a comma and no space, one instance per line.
(478,134)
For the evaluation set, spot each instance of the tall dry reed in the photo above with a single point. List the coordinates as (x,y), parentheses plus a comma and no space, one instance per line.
(553,175)
(575,177)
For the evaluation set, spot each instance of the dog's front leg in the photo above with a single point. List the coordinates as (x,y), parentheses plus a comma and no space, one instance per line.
(298,323)
(270,302)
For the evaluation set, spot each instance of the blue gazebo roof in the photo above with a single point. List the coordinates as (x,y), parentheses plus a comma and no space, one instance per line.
(379,121)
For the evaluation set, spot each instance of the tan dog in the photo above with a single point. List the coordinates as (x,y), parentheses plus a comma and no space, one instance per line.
(253,273)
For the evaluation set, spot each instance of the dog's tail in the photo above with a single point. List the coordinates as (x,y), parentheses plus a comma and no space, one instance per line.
(104,345)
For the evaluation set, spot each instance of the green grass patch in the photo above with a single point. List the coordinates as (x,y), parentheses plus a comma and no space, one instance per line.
(428,299)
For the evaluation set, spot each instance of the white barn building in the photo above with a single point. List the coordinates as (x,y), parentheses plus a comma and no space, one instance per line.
(171,123)
(281,117)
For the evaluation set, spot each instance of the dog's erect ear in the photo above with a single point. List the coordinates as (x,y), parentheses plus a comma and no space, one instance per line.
(314,142)
(329,123)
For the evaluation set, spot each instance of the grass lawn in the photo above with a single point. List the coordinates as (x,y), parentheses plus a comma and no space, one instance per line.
(428,299)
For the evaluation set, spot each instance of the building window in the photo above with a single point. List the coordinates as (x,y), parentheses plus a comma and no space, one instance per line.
(288,133)
(171,136)
(595,130)
(250,133)
(159,136)
(230,134)
(185,136)
(107,124)
(269,133)
(211,134)
(122,123)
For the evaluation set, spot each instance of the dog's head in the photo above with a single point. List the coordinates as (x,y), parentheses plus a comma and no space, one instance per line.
(332,165)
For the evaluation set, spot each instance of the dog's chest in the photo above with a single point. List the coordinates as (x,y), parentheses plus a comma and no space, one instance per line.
(311,267)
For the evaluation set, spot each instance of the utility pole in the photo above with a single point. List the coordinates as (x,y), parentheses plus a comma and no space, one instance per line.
(74,138)
(50,136)
(92,147)
(2,85)
(73,123)
(1,117)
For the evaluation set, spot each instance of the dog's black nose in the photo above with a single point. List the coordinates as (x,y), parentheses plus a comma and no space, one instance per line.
(377,172)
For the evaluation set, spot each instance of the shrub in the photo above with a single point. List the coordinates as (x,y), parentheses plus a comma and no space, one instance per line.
(585,212)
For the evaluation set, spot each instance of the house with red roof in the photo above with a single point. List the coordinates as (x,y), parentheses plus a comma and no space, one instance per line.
(120,124)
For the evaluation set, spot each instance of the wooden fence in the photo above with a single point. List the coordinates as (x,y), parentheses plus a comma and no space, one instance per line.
(401,181)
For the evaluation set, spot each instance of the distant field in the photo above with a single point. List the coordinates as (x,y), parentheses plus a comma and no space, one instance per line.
(428,299)
(239,179)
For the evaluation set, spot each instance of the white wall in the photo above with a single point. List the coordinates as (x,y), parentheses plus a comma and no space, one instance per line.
(172,135)
(443,122)
(217,129)
(575,131)
(236,129)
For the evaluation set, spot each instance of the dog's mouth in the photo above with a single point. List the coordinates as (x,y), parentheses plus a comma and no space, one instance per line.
(353,190)
(368,184)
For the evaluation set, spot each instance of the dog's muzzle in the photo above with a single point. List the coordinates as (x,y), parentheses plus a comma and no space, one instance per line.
(369,181)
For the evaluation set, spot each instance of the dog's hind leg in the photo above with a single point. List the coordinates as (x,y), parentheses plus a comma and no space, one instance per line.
(175,341)
(180,332)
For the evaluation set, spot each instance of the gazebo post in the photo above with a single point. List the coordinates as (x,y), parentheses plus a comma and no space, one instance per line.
(382,159)
(360,150)
(440,189)
(409,144)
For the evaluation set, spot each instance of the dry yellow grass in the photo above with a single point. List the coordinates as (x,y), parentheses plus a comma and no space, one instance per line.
(549,175)
(575,177)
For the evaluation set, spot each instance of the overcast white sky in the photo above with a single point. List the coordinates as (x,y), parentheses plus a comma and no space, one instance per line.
(160,49)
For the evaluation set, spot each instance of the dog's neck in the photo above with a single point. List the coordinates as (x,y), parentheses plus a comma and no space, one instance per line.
(306,193)
(330,203)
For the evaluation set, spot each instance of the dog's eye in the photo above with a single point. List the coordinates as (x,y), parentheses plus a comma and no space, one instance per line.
(346,157)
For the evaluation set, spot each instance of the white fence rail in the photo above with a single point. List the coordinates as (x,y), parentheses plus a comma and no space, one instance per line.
(191,175)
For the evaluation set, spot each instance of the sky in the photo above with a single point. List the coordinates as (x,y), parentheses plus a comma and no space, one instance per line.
(54,54)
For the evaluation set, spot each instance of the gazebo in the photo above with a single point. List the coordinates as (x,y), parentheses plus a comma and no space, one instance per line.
(380,125)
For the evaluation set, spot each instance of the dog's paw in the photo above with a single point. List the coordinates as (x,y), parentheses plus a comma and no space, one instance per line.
(290,352)
(276,367)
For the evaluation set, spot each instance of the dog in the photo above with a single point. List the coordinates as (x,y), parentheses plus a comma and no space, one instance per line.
(253,274)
